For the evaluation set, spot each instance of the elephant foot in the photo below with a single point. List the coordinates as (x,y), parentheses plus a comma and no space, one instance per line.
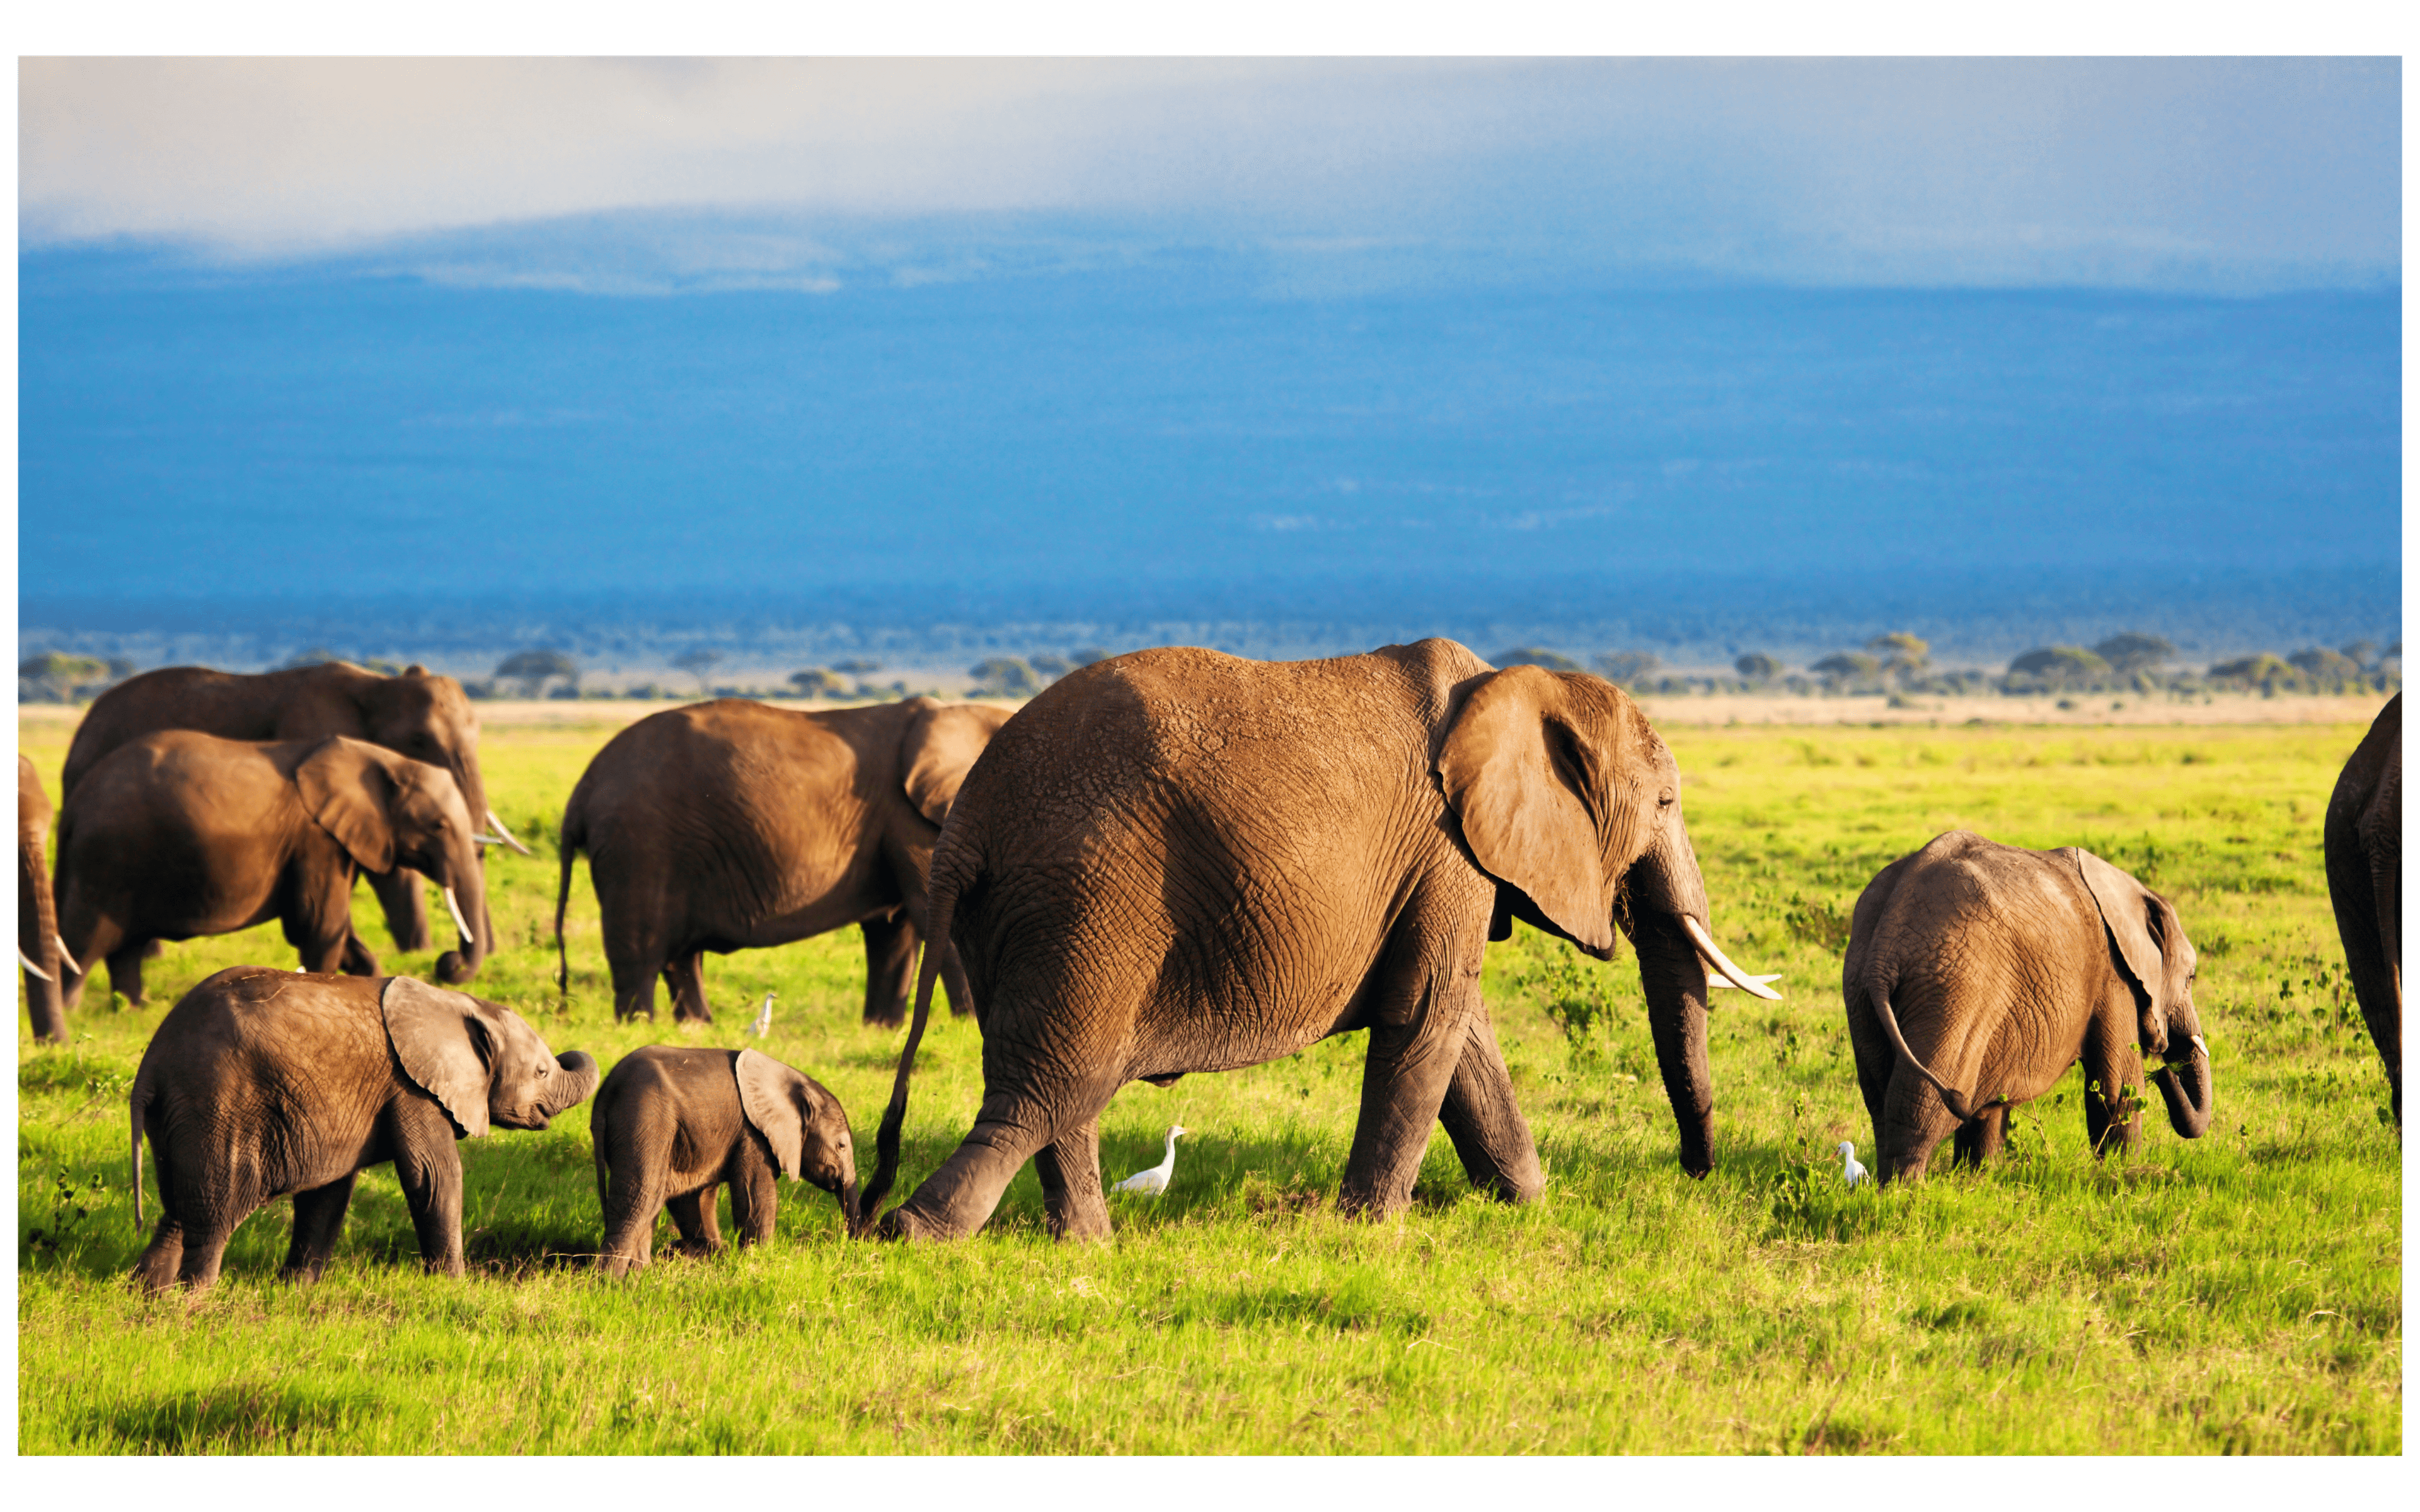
(885,1021)
(902,1227)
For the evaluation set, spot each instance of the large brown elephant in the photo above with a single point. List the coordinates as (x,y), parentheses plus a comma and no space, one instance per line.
(2365,848)
(413,714)
(179,834)
(1181,861)
(1977,973)
(733,826)
(260,1082)
(672,1125)
(37,928)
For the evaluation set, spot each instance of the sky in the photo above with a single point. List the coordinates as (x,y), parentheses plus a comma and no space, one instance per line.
(2205,173)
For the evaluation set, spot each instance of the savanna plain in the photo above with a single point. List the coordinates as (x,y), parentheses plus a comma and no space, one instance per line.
(2241,1293)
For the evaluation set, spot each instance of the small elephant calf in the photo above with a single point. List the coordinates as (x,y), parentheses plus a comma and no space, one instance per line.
(672,1125)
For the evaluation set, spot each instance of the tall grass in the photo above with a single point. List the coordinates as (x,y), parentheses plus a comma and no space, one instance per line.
(2242,1292)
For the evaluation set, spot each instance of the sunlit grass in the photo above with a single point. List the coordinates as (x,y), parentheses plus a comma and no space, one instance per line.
(2242,1292)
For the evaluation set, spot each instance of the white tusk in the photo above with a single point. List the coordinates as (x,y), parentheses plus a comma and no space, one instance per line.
(64,955)
(31,969)
(498,825)
(1715,979)
(2201,1045)
(1714,956)
(456,909)
(488,839)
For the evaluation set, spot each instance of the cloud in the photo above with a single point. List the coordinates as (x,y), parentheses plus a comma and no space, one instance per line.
(2259,171)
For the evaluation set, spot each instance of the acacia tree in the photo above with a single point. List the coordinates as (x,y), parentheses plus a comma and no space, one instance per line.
(1757,667)
(697,661)
(2131,651)
(535,668)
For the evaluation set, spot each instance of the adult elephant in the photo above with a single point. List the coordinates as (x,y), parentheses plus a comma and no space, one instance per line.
(181,834)
(1977,973)
(259,1084)
(413,714)
(38,929)
(1178,861)
(732,826)
(2365,849)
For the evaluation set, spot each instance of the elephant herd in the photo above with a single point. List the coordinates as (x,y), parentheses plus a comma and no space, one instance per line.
(1170,861)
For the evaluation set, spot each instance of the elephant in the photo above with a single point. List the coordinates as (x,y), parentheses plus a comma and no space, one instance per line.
(730,826)
(413,714)
(179,834)
(2365,851)
(38,924)
(260,1082)
(1977,973)
(1178,860)
(671,1125)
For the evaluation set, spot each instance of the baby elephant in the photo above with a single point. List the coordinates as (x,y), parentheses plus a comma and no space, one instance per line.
(1977,972)
(672,1125)
(259,1084)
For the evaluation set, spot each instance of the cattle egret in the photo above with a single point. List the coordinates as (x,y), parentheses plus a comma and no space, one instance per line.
(1850,1172)
(764,1018)
(1151,1182)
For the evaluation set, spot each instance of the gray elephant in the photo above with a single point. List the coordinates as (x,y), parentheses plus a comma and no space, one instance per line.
(37,928)
(672,1125)
(179,834)
(413,712)
(1179,861)
(731,825)
(259,1084)
(1977,973)
(2365,850)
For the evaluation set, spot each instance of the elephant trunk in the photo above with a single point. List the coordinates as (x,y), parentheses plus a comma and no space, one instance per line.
(848,1207)
(1674,981)
(37,941)
(579,1076)
(466,899)
(2185,1087)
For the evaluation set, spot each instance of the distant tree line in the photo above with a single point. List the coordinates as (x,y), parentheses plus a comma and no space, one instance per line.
(63,677)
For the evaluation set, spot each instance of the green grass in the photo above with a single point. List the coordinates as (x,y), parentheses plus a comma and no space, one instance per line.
(2241,1293)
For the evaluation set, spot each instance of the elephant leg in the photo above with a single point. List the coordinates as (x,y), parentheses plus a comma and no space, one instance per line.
(163,1257)
(318,1218)
(403,893)
(204,1246)
(693,1214)
(633,1195)
(1915,1121)
(1876,1059)
(686,979)
(954,1201)
(910,871)
(1979,1138)
(754,1200)
(1070,1168)
(429,1170)
(319,923)
(357,960)
(634,988)
(1485,1124)
(126,973)
(889,969)
(953,982)
(2113,1080)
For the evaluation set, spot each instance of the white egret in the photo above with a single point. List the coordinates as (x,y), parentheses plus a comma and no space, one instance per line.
(1151,1182)
(1850,1172)
(764,1018)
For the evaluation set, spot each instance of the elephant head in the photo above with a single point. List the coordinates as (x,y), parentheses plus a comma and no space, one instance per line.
(2148,948)
(388,810)
(805,1125)
(429,718)
(939,749)
(482,1063)
(1572,803)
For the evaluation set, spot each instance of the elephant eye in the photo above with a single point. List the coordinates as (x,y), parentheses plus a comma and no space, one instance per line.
(1663,799)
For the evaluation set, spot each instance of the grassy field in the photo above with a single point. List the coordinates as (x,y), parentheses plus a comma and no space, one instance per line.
(2240,1293)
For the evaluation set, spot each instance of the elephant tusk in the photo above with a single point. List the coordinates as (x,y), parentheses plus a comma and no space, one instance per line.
(488,839)
(64,955)
(498,825)
(1753,985)
(31,969)
(2202,1045)
(1715,979)
(456,909)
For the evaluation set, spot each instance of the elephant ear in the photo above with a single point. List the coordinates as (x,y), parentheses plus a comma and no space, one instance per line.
(440,1038)
(1512,766)
(2133,914)
(350,791)
(770,1094)
(938,750)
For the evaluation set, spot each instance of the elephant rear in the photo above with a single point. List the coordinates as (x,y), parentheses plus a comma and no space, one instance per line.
(2364,838)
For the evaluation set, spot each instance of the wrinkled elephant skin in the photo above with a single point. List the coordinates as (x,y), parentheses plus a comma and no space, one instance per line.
(2365,848)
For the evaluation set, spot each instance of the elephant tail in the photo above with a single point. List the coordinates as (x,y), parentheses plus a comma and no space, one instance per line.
(886,1143)
(575,836)
(1879,995)
(137,1102)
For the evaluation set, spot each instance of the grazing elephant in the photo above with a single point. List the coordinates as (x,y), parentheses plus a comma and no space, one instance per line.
(179,834)
(1977,972)
(38,925)
(413,714)
(1178,861)
(672,1125)
(262,1083)
(732,826)
(2365,846)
